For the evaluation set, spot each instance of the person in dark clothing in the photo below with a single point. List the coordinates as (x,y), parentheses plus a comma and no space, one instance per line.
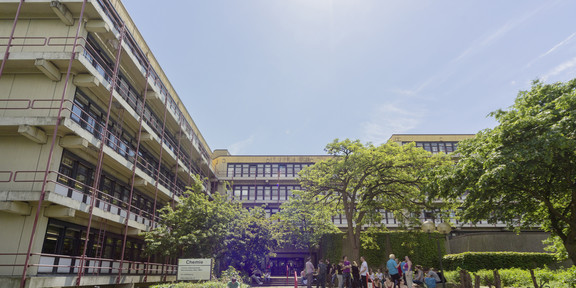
(355,275)
(321,280)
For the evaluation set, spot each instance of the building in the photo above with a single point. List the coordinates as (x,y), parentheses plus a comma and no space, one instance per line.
(94,140)
(266,181)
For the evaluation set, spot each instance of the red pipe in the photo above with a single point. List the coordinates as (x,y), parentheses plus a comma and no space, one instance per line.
(51,152)
(98,169)
(133,175)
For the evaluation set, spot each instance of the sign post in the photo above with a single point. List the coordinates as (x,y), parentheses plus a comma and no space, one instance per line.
(194,269)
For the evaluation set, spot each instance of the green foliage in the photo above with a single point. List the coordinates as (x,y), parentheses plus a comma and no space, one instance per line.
(420,247)
(301,223)
(556,247)
(361,180)
(522,171)
(515,277)
(211,226)
(331,247)
(474,261)
(248,241)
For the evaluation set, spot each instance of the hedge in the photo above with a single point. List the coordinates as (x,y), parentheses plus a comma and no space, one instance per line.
(420,247)
(474,261)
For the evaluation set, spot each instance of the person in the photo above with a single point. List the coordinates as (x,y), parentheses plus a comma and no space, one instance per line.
(233,283)
(346,272)
(309,272)
(430,281)
(408,271)
(329,273)
(303,278)
(267,276)
(388,283)
(393,269)
(419,275)
(399,268)
(355,275)
(373,278)
(380,277)
(256,273)
(363,272)
(339,275)
(321,274)
(432,273)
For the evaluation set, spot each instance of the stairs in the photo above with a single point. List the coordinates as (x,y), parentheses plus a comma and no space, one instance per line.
(278,281)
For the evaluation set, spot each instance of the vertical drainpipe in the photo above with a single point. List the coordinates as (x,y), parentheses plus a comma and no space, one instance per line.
(7,52)
(161,154)
(54,136)
(98,170)
(133,174)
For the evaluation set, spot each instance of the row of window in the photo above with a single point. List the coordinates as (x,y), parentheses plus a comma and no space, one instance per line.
(90,116)
(79,175)
(63,238)
(142,59)
(266,170)
(102,63)
(263,192)
(436,147)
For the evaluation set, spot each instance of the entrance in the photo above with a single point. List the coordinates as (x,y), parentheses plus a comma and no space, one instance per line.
(283,266)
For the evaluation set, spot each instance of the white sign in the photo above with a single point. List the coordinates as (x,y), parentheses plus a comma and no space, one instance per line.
(194,269)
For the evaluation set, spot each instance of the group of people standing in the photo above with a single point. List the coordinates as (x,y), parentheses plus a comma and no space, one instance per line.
(348,274)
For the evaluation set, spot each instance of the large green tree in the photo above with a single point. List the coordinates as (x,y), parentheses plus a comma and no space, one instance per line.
(211,226)
(301,223)
(523,171)
(362,181)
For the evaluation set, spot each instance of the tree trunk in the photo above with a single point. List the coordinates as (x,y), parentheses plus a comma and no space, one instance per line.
(570,245)
(465,279)
(497,281)
(355,252)
(476,281)
(533,278)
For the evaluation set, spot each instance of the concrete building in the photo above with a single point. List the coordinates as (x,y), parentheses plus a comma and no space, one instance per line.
(93,141)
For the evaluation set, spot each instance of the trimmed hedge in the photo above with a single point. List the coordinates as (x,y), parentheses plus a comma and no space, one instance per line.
(475,261)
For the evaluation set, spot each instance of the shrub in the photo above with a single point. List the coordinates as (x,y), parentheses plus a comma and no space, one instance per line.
(516,277)
(474,261)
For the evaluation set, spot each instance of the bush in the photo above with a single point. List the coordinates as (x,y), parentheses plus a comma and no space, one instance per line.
(227,275)
(474,261)
(515,277)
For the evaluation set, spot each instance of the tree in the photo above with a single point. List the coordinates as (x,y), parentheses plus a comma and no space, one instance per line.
(362,181)
(301,224)
(249,241)
(211,226)
(523,171)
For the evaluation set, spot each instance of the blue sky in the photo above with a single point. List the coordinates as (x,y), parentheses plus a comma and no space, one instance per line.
(289,76)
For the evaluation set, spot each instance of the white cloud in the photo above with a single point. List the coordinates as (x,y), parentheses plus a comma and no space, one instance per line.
(389,119)
(566,66)
(239,147)
(553,49)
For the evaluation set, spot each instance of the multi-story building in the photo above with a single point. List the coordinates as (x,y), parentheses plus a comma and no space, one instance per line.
(93,141)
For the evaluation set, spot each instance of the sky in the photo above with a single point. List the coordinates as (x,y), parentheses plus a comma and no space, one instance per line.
(287,77)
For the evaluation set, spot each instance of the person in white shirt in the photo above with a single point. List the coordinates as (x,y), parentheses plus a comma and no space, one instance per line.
(309,272)
(364,272)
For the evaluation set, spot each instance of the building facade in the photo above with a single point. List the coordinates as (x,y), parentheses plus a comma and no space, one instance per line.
(94,140)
